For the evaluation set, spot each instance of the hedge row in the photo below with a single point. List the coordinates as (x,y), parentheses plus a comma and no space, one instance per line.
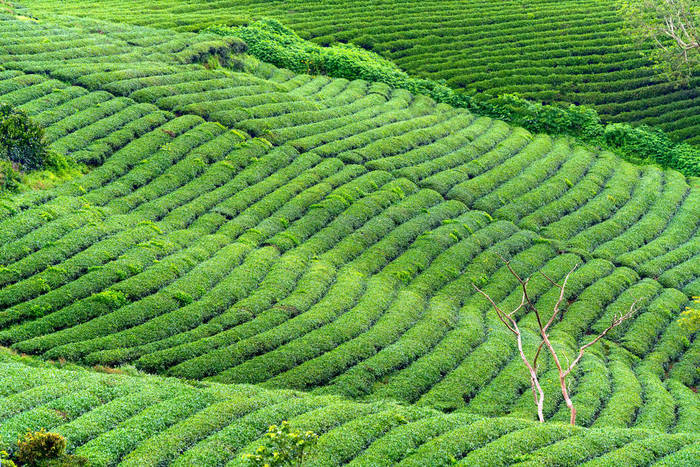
(137,420)
(270,41)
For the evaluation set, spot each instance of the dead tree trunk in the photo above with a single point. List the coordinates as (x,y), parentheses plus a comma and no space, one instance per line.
(509,321)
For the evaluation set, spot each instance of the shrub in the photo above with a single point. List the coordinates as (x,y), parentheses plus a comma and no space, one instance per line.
(284,447)
(5,460)
(21,140)
(690,318)
(42,448)
(9,176)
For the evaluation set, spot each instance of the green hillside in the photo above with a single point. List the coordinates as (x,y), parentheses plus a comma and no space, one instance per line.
(548,51)
(244,224)
(143,421)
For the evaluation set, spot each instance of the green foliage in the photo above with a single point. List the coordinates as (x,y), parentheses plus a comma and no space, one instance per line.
(270,41)
(21,140)
(40,446)
(574,120)
(283,446)
(10,178)
(648,144)
(690,318)
(673,29)
(111,298)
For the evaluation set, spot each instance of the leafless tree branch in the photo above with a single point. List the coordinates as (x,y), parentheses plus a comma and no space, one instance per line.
(510,321)
(512,325)
(672,25)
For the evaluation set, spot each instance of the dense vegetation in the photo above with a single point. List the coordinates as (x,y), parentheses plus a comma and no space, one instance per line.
(548,51)
(22,148)
(270,41)
(149,421)
(308,233)
(21,140)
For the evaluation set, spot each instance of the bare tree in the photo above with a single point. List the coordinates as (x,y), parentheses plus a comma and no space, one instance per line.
(510,321)
(673,27)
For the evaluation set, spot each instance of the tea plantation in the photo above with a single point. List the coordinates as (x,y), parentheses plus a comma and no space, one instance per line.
(569,51)
(278,246)
(155,421)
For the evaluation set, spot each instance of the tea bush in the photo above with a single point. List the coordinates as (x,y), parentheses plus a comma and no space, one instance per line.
(270,41)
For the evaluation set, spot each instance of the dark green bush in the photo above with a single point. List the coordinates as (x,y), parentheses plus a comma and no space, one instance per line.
(21,140)
(654,144)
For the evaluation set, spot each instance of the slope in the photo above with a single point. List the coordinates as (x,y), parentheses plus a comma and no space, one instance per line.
(145,421)
(548,51)
(331,249)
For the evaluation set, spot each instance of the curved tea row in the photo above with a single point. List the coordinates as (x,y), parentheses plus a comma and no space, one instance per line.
(154,421)
(319,234)
(548,51)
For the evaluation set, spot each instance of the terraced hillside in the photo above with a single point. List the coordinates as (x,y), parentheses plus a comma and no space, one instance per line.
(316,234)
(549,51)
(153,421)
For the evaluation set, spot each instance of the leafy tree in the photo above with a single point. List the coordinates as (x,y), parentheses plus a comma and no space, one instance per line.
(21,140)
(23,148)
(673,27)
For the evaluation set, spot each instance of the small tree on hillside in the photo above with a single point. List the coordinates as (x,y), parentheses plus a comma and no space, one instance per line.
(509,319)
(673,27)
(21,139)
